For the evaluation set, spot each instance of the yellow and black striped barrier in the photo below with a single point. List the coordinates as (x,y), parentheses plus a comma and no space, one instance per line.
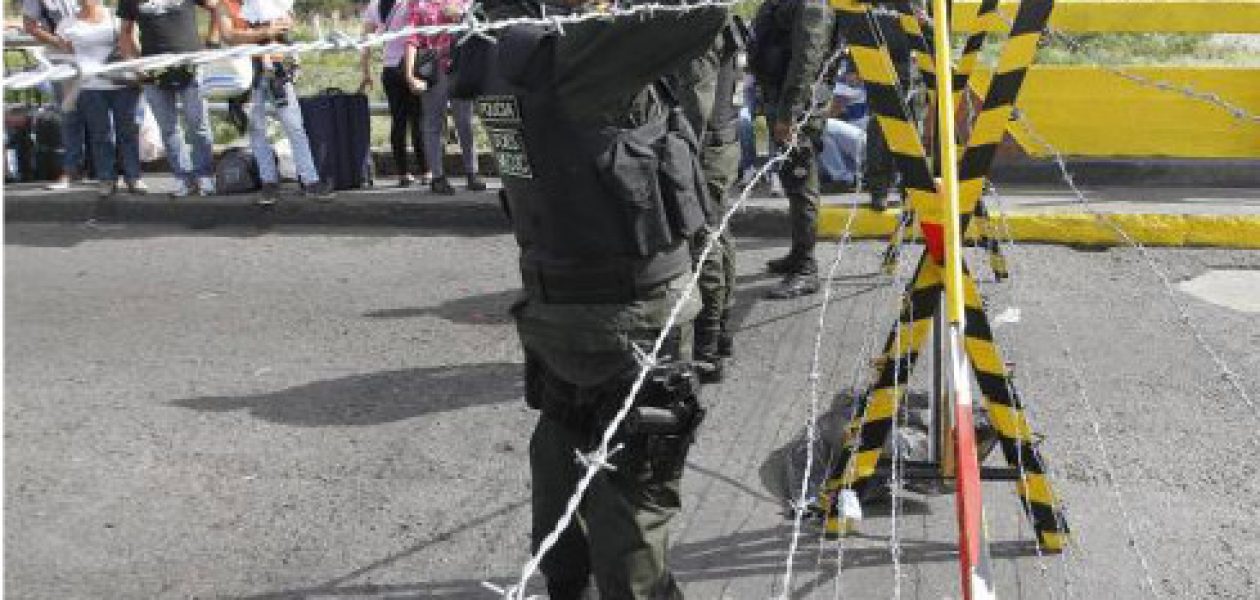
(866,434)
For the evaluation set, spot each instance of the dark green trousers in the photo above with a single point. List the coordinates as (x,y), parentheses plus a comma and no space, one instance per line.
(621,530)
(799,175)
(717,274)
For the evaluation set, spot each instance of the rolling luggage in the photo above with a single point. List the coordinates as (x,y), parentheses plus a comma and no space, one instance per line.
(339,127)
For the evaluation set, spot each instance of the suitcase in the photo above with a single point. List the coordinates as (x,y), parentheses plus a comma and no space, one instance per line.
(339,128)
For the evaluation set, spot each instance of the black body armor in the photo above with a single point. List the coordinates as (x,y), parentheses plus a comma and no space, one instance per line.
(601,212)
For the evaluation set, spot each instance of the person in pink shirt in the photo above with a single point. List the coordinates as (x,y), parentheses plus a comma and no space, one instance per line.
(405,108)
(435,50)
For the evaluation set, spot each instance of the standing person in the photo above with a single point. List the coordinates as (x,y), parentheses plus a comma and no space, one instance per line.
(435,93)
(264,22)
(405,107)
(42,20)
(109,107)
(570,117)
(844,140)
(165,27)
(706,89)
(792,38)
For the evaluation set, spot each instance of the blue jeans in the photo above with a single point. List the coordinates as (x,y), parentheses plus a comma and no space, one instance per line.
(166,107)
(111,124)
(73,135)
(433,127)
(290,116)
(747,140)
(843,151)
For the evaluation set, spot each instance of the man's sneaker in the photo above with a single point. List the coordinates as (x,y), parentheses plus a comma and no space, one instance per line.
(182,189)
(747,178)
(442,185)
(879,200)
(205,186)
(62,183)
(268,195)
(475,184)
(320,190)
(137,186)
(106,189)
(776,186)
(795,285)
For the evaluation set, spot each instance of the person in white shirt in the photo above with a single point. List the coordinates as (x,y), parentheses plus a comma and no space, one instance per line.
(263,22)
(108,106)
(42,19)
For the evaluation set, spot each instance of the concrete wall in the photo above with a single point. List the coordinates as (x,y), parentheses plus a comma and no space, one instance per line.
(1090,111)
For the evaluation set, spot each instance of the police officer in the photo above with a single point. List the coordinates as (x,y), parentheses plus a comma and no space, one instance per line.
(604,192)
(791,42)
(706,89)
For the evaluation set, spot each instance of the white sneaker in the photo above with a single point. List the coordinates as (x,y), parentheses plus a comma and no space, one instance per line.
(746,179)
(60,184)
(776,186)
(205,186)
(182,189)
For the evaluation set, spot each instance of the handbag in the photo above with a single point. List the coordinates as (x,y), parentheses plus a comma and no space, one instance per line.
(425,67)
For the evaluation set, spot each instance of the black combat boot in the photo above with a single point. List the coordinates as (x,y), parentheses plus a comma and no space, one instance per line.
(726,340)
(802,281)
(879,200)
(787,264)
(707,354)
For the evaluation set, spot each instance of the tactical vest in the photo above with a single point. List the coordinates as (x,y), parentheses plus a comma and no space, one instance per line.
(770,50)
(601,213)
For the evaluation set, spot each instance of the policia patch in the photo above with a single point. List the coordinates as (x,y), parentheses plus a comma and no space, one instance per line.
(501,116)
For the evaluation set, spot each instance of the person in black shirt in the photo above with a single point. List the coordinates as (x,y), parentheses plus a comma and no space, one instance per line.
(167,26)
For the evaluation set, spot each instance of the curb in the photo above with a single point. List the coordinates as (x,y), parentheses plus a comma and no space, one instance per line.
(1220,231)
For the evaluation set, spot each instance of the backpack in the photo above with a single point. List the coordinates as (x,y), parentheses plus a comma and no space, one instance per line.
(237,172)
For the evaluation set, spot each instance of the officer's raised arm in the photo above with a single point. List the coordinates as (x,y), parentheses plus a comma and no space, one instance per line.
(599,63)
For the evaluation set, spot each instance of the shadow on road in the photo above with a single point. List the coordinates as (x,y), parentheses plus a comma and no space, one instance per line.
(481,309)
(376,398)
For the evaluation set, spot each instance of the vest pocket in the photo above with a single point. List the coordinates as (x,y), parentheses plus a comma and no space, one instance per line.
(630,169)
(682,185)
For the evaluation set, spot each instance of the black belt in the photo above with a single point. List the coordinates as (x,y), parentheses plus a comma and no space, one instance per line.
(618,283)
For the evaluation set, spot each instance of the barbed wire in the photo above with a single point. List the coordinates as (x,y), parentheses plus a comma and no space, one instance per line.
(817,102)
(1183,314)
(341,41)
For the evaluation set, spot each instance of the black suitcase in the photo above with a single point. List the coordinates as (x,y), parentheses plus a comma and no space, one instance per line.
(32,143)
(339,128)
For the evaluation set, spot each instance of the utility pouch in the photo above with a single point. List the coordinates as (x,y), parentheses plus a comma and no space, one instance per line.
(682,181)
(631,170)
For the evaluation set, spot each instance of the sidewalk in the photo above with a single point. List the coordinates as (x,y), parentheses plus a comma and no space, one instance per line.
(1222,217)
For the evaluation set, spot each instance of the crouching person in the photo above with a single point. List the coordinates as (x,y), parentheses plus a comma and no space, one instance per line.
(265,22)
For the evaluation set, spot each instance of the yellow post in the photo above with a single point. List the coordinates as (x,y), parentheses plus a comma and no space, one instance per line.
(949,165)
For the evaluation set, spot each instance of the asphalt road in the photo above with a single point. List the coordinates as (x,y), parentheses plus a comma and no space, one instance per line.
(336,413)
